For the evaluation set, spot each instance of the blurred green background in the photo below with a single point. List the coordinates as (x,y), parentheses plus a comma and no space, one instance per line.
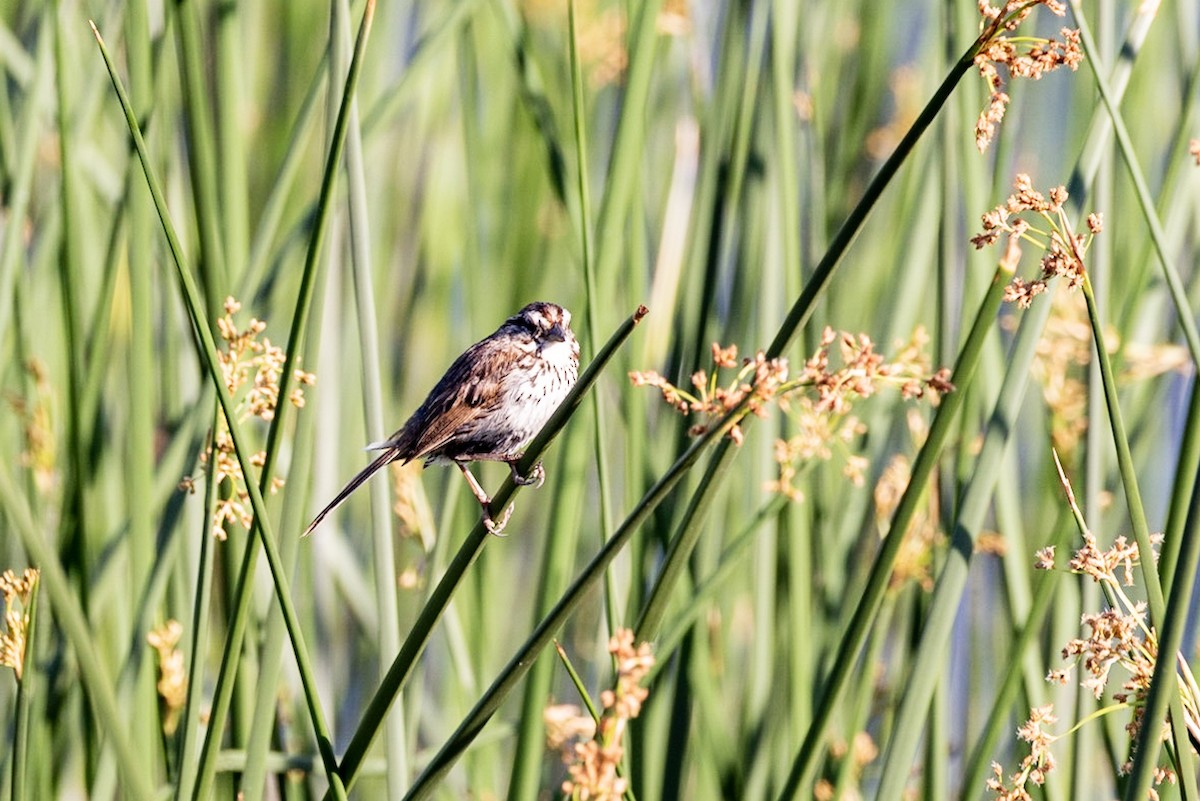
(723,146)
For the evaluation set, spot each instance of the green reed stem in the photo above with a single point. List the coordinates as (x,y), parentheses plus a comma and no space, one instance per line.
(1000,715)
(599,431)
(383,553)
(20,187)
(140,443)
(555,572)
(202,157)
(857,632)
(930,654)
(78,630)
(26,687)
(1141,188)
(848,231)
(262,522)
(190,722)
(1163,687)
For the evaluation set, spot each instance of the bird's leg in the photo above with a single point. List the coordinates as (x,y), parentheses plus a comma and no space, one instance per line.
(537,477)
(485,502)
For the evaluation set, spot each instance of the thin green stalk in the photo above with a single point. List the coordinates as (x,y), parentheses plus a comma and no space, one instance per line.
(199,640)
(1186,470)
(230,72)
(241,604)
(139,462)
(26,687)
(1163,688)
(265,718)
(822,274)
(18,190)
(557,562)
(78,631)
(857,632)
(628,142)
(75,525)
(209,355)
(683,542)
(1000,714)
(577,681)
(701,596)
(588,703)
(383,554)
(393,682)
(929,658)
(262,247)
(599,430)
(202,158)
(1141,189)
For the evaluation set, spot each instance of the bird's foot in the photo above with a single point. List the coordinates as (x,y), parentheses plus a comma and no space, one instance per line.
(494,526)
(537,477)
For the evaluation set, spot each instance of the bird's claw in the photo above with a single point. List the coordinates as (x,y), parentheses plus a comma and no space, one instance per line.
(493,526)
(537,476)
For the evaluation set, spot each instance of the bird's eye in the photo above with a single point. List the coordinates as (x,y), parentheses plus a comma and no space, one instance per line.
(532,323)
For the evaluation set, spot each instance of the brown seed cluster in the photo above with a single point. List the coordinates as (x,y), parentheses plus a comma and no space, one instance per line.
(1022,57)
(18,594)
(1036,764)
(1062,249)
(254,366)
(756,383)
(822,398)
(915,561)
(819,400)
(172,672)
(35,414)
(1117,636)
(854,755)
(592,763)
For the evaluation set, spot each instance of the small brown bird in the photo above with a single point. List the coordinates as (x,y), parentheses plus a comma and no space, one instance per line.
(488,406)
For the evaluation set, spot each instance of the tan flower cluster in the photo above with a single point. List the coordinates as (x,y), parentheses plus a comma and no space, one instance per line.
(907,98)
(820,400)
(1023,57)
(1064,352)
(914,563)
(1036,764)
(863,370)
(601,29)
(860,752)
(674,18)
(172,673)
(1194,150)
(39,453)
(593,762)
(757,382)
(245,362)
(1117,636)
(18,594)
(244,354)
(1063,250)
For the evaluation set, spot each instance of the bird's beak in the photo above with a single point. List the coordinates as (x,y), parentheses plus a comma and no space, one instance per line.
(556,333)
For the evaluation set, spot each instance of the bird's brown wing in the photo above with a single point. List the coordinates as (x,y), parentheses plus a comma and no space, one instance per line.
(470,389)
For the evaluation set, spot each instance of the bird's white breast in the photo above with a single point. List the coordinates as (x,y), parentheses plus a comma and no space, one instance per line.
(534,398)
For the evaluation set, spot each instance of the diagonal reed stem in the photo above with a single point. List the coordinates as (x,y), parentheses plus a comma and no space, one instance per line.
(418,637)
(208,355)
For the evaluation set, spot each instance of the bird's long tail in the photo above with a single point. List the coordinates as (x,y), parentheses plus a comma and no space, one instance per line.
(384,459)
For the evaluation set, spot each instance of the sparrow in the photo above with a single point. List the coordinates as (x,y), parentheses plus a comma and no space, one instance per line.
(488,406)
